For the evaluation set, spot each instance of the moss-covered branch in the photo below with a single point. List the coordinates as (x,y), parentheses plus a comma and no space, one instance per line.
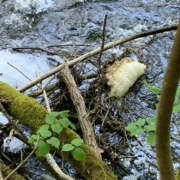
(32,114)
(5,170)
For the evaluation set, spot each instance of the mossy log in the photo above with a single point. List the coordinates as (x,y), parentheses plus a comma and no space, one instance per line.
(5,170)
(31,114)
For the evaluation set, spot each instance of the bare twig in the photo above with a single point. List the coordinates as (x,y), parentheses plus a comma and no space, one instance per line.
(102,45)
(36,48)
(123,157)
(6,157)
(20,165)
(12,122)
(45,96)
(62,45)
(92,53)
(19,71)
(40,91)
(106,115)
(10,136)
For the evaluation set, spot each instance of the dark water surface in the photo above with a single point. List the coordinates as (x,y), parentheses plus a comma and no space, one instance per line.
(42,23)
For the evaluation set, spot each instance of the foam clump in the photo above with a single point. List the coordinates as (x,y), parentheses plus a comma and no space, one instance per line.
(122,75)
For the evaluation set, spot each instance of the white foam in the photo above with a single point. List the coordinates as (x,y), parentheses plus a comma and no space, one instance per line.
(36,5)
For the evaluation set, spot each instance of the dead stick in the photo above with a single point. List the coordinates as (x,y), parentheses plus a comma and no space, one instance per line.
(19,71)
(92,53)
(45,96)
(23,161)
(102,46)
(12,122)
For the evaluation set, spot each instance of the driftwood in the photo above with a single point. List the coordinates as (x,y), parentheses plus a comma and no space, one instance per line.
(83,116)
(31,114)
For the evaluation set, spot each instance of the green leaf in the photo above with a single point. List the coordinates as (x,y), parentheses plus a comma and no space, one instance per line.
(156,90)
(64,114)
(157,105)
(54,113)
(32,139)
(136,131)
(131,126)
(42,148)
(176,108)
(145,83)
(140,122)
(176,99)
(57,127)
(151,119)
(178,91)
(150,127)
(72,125)
(67,147)
(54,142)
(151,138)
(77,142)
(50,119)
(79,154)
(65,122)
(44,127)
(44,132)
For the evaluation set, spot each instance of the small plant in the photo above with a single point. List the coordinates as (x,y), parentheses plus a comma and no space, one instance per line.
(138,127)
(78,153)
(56,122)
(149,123)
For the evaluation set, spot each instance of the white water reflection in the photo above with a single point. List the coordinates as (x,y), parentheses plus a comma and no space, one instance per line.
(26,63)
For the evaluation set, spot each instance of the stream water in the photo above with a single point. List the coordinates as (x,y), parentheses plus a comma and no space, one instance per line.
(43,23)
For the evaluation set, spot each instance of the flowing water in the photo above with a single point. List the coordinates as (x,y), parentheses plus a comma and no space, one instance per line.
(44,23)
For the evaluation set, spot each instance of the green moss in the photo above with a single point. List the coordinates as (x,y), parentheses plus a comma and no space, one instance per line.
(6,171)
(24,108)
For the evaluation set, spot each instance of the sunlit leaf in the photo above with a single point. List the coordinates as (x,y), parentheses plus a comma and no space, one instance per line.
(67,147)
(150,127)
(32,139)
(57,127)
(44,132)
(136,131)
(42,148)
(64,114)
(140,122)
(77,142)
(79,154)
(176,108)
(50,119)
(151,138)
(54,142)
(151,119)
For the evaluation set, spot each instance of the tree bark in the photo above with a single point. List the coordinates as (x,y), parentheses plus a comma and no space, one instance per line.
(171,79)
(83,116)
(31,114)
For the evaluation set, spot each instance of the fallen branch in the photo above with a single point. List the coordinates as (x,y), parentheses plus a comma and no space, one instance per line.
(83,117)
(92,53)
